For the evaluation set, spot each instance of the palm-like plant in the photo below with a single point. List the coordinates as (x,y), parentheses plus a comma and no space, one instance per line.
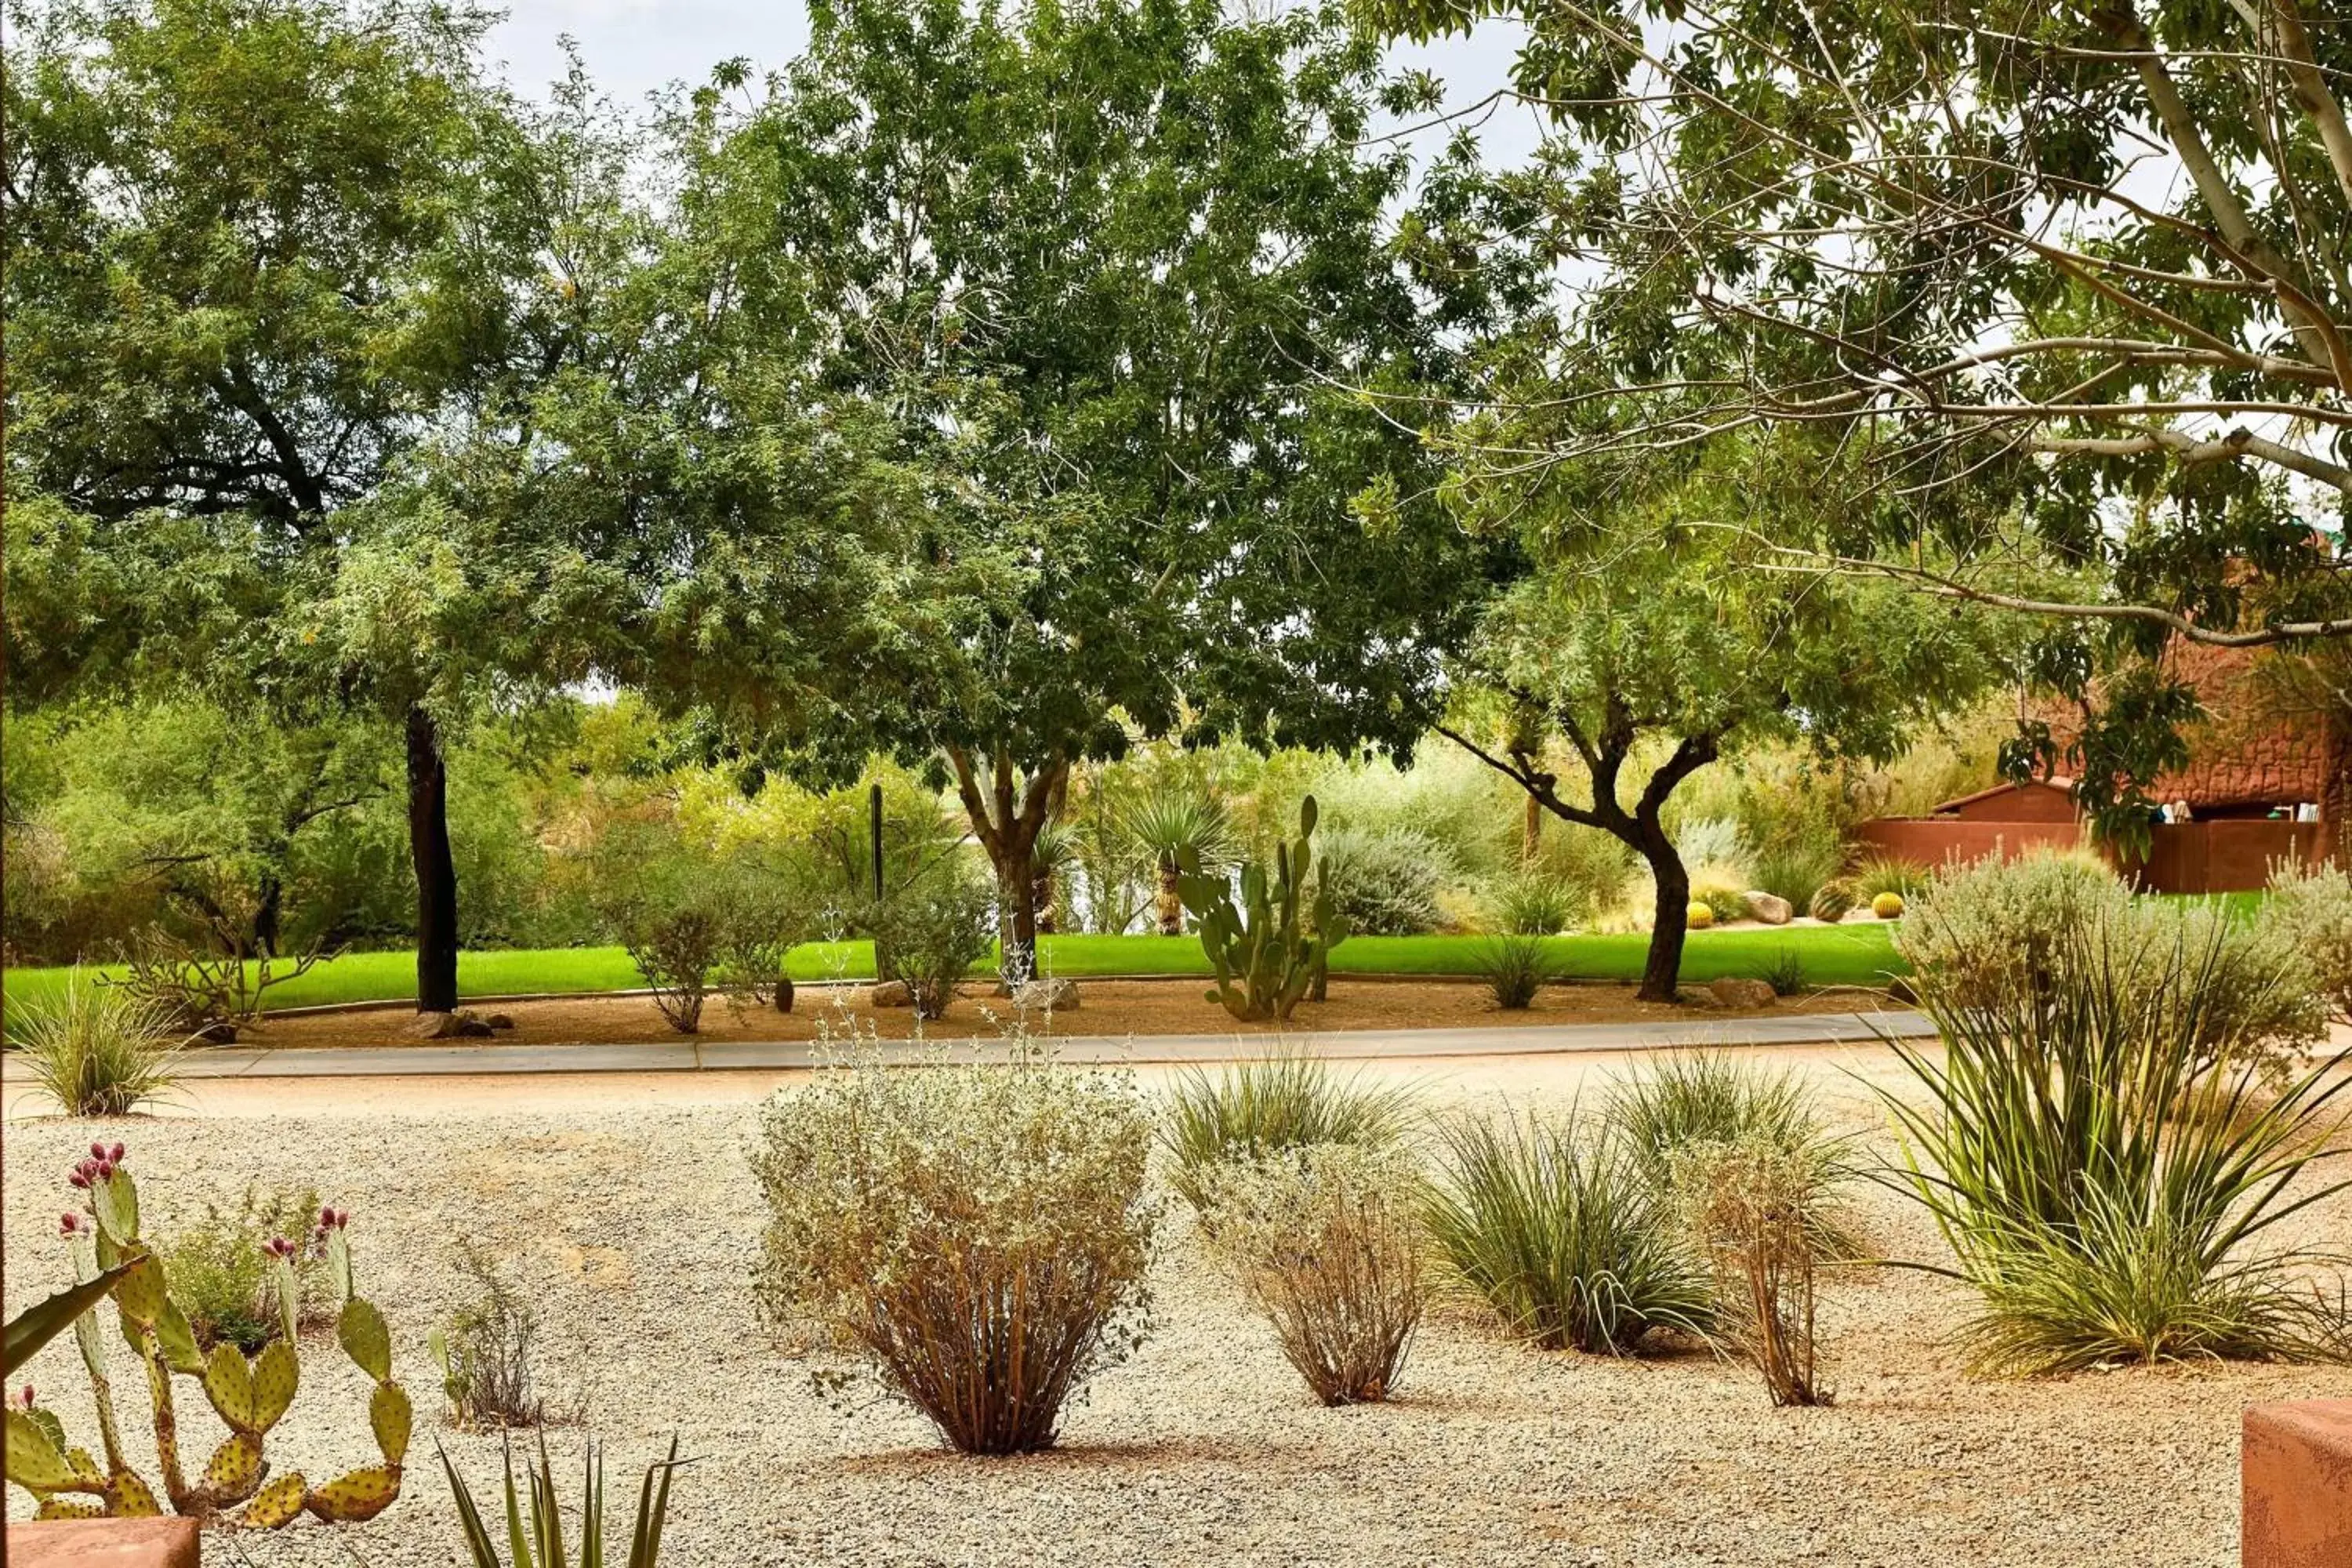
(2109,1188)
(1165,825)
(534,1529)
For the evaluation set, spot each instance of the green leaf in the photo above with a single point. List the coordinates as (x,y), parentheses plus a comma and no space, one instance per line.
(36,1325)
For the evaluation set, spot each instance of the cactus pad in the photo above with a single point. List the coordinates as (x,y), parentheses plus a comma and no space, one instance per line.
(140,1292)
(68,1508)
(364,1337)
(115,1203)
(357,1497)
(177,1341)
(34,1462)
(277,1504)
(390,1414)
(228,1383)
(87,1475)
(234,1470)
(277,1373)
(128,1497)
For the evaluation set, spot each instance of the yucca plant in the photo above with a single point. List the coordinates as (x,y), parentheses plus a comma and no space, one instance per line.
(2109,1189)
(1166,825)
(534,1520)
(1270,1105)
(1555,1225)
(98,1049)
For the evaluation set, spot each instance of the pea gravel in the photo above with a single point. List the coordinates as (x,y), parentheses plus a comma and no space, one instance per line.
(630,1215)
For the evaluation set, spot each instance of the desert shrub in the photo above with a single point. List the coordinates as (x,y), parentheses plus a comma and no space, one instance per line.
(1384,882)
(1252,1109)
(1799,871)
(1555,1226)
(1992,928)
(97,1049)
(2105,1183)
(1514,968)
(1697,1100)
(978,1233)
(1596,866)
(1784,971)
(204,980)
(929,934)
(2311,909)
(693,918)
(1533,903)
(1714,841)
(1831,901)
(1752,1208)
(1723,901)
(484,1350)
(226,1283)
(1326,1240)
(1879,874)
(1165,826)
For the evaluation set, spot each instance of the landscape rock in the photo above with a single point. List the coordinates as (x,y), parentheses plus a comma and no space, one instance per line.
(220,1033)
(1738,991)
(1773,910)
(1696,996)
(891,994)
(497,1020)
(461,1025)
(1054,995)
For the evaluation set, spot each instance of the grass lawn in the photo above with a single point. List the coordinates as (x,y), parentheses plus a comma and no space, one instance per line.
(1854,955)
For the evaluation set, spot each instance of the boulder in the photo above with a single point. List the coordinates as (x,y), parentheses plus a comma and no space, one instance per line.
(220,1032)
(1738,991)
(1046,995)
(461,1025)
(891,994)
(1696,996)
(1771,909)
(497,1020)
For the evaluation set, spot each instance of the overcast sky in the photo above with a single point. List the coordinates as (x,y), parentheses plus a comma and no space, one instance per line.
(632,47)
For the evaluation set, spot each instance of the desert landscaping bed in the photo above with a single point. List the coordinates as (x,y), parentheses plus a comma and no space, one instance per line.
(635,1227)
(1107,1007)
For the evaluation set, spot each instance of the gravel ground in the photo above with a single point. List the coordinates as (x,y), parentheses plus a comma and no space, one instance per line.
(627,1207)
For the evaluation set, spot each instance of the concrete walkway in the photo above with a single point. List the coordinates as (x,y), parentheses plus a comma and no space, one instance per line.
(683,1054)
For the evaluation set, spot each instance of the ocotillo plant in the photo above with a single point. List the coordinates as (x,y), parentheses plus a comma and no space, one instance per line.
(249,1396)
(1270,948)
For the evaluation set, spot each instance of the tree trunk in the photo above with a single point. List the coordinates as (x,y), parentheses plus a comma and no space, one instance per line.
(1007,822)
(1168,904)
(1018,888)
(1662,969)
(437,868)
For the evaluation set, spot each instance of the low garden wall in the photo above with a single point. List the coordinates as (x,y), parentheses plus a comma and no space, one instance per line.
(2224,856)
(2295,1474)
(1932,840)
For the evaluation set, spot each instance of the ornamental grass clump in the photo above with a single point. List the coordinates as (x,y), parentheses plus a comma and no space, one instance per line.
(98,1049)
(1752,1209)
(2110,1186)
(978,1233)
(1253,1109)
(1686,1100)
(1555,1225)
(1514,968)
(1326,1241)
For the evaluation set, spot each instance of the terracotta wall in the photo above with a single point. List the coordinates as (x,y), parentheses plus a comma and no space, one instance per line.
(2225,856)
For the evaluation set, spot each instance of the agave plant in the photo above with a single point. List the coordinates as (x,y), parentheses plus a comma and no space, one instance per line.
(1169,822)
(534,1528)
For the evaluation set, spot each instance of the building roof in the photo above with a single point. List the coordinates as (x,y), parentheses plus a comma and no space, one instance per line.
(2057,782)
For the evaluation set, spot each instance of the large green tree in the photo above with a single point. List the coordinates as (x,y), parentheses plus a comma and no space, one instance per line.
(258,250)
(2070,287)
(1107,275)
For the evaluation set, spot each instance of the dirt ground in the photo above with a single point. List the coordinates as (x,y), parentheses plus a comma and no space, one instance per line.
(1107,1007)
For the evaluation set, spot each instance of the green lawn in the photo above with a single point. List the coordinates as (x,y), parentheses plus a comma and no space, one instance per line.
(1852,954)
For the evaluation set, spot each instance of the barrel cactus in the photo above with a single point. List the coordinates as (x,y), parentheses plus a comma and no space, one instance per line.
(1831,902)
(248,1394)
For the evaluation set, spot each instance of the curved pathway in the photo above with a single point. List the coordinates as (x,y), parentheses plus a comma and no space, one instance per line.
(684,1054)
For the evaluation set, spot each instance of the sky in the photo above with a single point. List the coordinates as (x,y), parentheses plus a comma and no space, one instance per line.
(632,48)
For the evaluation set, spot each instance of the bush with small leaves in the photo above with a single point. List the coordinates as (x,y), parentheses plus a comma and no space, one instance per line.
(1326,1240)
(1752,1208)
(692,919)
(978,1234)
(2311,909)
(221,1275)
(1382,882)
(931,933)
(485,1351)
(1991,929)
(1722,900)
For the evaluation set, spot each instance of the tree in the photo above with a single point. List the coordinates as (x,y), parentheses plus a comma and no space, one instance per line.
(1646,640)
(1107,271)
(258,250)
(2086,263)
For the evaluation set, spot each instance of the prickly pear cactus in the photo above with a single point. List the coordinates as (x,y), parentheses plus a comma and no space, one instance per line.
(249,1395)
(1269,950)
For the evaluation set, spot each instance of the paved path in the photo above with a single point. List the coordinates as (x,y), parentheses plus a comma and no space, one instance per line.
(675,1056)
